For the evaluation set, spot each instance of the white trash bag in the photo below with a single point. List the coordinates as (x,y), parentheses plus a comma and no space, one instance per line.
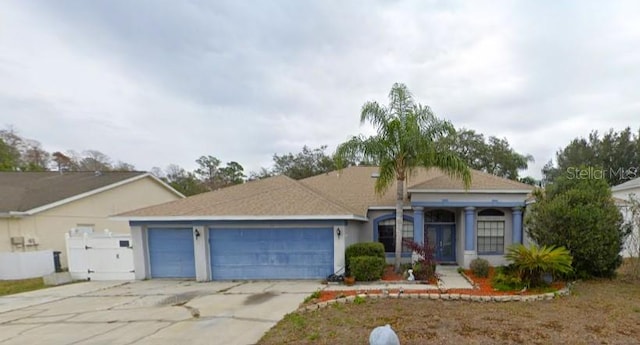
(383,335)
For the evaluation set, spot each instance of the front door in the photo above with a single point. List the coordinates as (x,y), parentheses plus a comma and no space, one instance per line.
(442,237)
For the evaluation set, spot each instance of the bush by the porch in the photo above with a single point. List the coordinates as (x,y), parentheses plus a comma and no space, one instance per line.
(367,268)
(479,267)
(374,249)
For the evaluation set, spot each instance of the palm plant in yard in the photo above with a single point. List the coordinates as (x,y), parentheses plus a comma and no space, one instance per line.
(531,263)
(408,137)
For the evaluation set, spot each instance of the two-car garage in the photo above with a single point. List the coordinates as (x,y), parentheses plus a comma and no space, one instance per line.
(291,253)
(243,253)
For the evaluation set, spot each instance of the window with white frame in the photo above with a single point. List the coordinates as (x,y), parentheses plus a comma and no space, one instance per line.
(387,234)
(491,226)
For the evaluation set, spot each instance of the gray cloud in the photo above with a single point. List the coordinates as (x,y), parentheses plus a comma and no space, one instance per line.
(159,82)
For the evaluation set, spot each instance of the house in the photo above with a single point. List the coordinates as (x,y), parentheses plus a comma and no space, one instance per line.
(279,228)
(623,193)
(38,208)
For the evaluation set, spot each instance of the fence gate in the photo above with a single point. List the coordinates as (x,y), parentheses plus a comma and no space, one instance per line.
(103,256)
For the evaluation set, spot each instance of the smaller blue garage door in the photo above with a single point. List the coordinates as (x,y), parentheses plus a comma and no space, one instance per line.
(271,253)
(171,253)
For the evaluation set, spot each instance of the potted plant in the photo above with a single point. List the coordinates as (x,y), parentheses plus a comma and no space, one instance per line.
(349,280)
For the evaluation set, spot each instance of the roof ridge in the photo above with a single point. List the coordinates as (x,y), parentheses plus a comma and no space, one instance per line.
(322,196)
(241,185)
(514,182)
(290,182)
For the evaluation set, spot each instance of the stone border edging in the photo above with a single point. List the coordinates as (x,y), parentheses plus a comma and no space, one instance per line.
(565,291)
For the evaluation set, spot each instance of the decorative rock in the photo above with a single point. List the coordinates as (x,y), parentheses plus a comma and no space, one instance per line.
(423,295)
(465,297)
(444,297)
(383,335)
(434,296)
(350,298)
(454,296)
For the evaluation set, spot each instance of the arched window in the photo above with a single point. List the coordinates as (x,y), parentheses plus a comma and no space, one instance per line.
(491,212)
(490,231)
(439,216)
(385,231)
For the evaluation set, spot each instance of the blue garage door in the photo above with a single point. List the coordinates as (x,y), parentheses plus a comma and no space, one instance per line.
(171,253)
(271,253)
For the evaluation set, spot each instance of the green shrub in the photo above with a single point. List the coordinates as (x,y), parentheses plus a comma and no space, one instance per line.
(367,268)
(506,279)
(530,263)
(375,249)
(580,215)
(479,267)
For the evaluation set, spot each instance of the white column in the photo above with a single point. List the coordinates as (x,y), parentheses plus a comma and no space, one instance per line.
(140,253)
(201,253)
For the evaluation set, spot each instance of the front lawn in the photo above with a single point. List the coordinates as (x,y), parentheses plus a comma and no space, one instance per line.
(599,311)
(8,287)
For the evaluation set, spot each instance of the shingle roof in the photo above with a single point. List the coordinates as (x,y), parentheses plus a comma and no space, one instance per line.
(627,185)
(275,196)
(348,192)
(479,181)
(24,191)
(354,186)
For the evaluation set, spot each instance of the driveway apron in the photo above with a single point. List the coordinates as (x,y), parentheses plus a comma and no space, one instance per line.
(150,312)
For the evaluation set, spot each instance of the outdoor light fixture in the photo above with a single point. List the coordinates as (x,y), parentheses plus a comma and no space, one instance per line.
(338,232)
(197,233)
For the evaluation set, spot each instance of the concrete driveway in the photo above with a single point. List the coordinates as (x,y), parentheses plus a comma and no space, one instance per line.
(149,312)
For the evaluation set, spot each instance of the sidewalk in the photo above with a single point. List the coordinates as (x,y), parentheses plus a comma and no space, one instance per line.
(449,279)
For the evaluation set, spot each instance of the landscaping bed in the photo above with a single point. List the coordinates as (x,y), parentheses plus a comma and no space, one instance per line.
(482,286)
(600,311)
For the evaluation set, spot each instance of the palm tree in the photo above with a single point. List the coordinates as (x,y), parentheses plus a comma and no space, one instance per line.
(408,137)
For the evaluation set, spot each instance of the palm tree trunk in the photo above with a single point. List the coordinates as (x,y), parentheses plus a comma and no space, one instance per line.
(399,222)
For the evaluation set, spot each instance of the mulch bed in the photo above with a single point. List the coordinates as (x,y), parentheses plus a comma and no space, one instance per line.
(482,288)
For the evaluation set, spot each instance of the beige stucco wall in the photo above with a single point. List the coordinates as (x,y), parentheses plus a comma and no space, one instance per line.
(49,227)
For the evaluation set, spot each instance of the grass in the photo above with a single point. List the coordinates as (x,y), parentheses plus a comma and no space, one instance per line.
(603,311)
(8,287)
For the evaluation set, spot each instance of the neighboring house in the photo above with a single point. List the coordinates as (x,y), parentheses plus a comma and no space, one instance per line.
(622,193)
(279,228)
(38,208)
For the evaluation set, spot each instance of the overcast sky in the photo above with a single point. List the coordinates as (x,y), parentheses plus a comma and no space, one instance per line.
(158,82)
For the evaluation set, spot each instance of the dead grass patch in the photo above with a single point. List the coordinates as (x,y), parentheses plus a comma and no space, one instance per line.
(600,311)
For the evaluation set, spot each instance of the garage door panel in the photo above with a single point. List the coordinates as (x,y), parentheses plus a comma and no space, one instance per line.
(171,253)
(271,253)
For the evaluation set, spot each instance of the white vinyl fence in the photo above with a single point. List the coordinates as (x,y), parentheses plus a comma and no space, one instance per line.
(24,265)
(100,256)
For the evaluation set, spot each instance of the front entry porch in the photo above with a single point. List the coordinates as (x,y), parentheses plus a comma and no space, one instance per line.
(459,233)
